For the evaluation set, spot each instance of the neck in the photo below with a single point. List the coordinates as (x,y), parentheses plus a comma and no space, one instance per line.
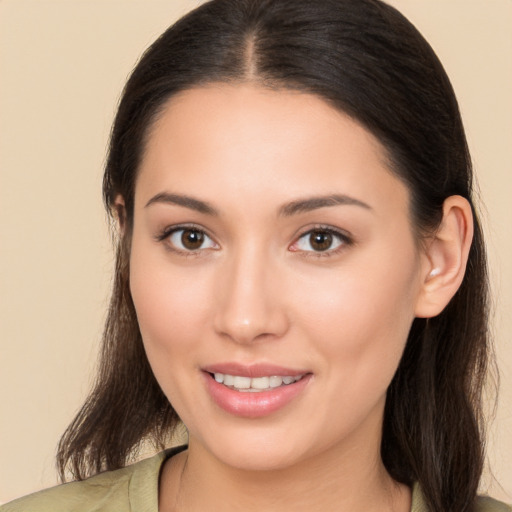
(341,478)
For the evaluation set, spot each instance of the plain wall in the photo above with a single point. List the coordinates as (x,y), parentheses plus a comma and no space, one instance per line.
(63,64)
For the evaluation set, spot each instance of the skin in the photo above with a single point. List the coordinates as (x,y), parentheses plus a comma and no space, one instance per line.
(256,291)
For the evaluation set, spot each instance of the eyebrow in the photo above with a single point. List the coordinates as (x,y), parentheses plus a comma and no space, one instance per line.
(186,201)
(312,203)
(299,206)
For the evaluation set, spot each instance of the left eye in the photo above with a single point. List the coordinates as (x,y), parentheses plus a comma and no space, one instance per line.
(319,240)
(190,239)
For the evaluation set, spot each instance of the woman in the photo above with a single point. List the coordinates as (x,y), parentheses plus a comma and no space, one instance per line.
(300,276)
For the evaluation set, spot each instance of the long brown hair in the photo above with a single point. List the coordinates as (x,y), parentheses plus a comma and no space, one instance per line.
(367,60)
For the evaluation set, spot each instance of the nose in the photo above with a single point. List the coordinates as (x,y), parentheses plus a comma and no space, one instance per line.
(250,303)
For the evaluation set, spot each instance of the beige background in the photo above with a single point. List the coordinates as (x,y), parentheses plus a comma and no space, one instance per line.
(63,64)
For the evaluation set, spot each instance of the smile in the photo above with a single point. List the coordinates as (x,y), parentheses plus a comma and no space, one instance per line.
(254,391)
(255,384)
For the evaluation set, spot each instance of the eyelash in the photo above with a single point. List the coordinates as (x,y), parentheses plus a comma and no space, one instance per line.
(343,238)
(165,235)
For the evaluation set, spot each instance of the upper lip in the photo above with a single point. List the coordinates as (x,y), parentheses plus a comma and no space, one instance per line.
(252,370)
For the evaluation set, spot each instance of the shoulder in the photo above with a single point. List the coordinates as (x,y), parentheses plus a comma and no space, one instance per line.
(487,504)
(134,487)
(483,503)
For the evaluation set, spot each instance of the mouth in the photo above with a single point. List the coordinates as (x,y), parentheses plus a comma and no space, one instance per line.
(254,391)
(254,384)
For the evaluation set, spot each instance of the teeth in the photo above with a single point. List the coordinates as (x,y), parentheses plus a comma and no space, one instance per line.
(228,380)
(242,382)
(260,383)
(276,381)
(255,384)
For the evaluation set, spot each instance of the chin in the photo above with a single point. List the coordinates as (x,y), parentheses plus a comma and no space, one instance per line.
(260,459)
(256,449)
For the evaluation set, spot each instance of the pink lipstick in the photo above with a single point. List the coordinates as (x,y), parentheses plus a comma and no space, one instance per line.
(256,390)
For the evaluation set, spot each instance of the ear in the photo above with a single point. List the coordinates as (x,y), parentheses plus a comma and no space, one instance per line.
(445,258)
(120,209)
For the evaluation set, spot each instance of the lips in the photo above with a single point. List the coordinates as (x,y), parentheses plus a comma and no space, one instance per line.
(254,391)
(255,384)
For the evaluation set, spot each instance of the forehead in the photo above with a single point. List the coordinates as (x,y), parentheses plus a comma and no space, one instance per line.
(245,140)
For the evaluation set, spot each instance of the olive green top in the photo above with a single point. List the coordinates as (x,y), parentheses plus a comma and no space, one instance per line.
(135,489)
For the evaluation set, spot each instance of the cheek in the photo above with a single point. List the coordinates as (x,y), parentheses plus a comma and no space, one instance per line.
(171,304)
(171,310)
(362,316)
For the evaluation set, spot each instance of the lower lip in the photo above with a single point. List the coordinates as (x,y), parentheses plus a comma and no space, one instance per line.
(257,404)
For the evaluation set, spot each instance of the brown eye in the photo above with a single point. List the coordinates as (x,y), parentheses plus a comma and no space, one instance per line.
(190,239)
(320,240)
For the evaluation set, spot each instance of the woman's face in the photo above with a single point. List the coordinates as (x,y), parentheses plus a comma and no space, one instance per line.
(272,250)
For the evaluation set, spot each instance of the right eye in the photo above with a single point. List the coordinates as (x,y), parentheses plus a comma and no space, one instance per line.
(190,239)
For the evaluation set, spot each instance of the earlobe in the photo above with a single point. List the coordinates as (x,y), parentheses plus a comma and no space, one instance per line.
(120,209)
(445,258)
